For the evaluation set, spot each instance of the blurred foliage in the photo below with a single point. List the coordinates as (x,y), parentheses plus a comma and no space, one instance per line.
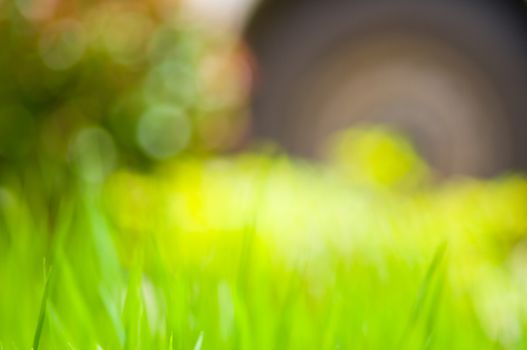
(378,156)
(245,252)
(154,86)
(260,252)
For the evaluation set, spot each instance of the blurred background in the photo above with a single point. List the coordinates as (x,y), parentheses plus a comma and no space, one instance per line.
(116,83)
(154,80)
(448,74)
(263,174)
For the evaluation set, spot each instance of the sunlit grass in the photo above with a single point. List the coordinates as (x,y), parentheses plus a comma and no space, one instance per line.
(261,252)
(255,251)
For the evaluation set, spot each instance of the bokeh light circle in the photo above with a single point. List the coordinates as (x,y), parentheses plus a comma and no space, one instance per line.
(94,154)
(163,132)
(62,45)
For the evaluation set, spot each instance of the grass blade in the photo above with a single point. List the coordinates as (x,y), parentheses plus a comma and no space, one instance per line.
(42,313)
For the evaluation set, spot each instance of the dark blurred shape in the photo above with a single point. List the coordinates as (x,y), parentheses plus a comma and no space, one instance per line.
(450,74)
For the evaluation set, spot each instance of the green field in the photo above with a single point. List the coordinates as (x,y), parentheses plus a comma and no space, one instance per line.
(127,221)
(262,252)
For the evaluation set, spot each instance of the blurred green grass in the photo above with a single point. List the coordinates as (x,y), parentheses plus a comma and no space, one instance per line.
(122,228)
(259,252)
